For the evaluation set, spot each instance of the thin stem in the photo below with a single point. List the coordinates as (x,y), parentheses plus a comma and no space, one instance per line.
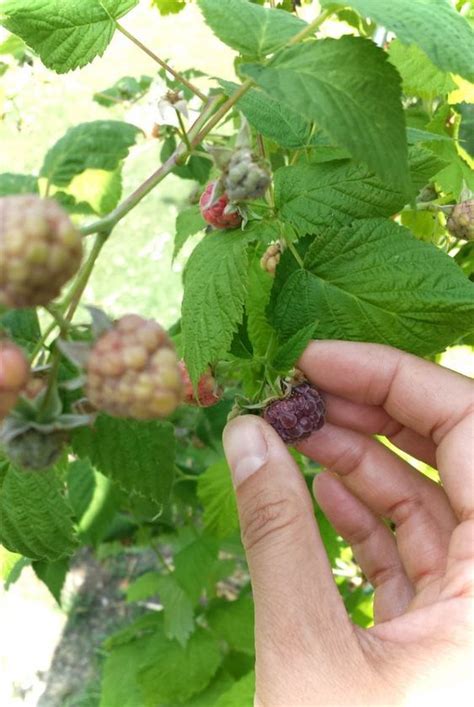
(59,320)
(179,77)
(295,253)
(74,297)
(184,134)
(41,342)
(310,29)
(231,101)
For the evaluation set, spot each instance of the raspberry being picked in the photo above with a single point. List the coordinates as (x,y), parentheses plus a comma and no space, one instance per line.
(208,392)
(14,373)
(298,415)
(40,250)
(217,210)
(461,220)
(132,371)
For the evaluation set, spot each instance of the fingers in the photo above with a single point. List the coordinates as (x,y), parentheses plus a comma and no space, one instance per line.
(392,489)
(374,420)
(292,582)
(422,396)
(372,543)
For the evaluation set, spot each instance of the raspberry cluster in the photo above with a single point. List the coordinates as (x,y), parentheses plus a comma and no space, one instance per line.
(298,415)
(40,250)
(271,258)
(132,371)
(246,177)
(461,220)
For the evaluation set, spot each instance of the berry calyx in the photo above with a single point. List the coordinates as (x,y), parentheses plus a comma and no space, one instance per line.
(461,220)
(14,373)
(208,392)
(40,250)
(33,450)
(298,415)
(132,371)
(217,210)
(271,258)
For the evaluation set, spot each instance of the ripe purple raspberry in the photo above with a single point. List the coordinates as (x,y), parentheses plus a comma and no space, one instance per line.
(297,416)
(33,450)
(133,372)
(40,250)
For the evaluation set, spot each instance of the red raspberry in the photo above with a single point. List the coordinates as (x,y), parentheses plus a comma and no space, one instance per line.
(14,372)
(208,392)
(217,211)
(132,371)
(40,250)
(297,416)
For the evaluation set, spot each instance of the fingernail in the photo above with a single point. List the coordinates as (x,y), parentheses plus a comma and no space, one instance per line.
(245,447)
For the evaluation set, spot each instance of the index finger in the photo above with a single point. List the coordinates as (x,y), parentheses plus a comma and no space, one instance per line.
(423,396)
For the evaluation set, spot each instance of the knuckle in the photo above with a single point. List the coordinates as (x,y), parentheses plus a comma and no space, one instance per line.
(269,514)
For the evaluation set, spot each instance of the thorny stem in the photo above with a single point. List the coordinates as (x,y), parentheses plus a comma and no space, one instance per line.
(179,77)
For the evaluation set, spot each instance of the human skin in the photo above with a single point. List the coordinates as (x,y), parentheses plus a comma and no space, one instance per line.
(420,650)
(14,373)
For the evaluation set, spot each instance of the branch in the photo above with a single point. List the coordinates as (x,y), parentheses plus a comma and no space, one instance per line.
(179,77)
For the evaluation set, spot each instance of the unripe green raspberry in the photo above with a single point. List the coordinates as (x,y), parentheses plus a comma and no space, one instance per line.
(132,371)
(40,250)
(461,220)
(246,178)
(34,451)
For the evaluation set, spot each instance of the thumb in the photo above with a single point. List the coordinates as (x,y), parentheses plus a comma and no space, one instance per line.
(295,596)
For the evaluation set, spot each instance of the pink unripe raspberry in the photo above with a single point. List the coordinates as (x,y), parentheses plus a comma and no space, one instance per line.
(14,372)
(133,372)
(208,392)
(216,211)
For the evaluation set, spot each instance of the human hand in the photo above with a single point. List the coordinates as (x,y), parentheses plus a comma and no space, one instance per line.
(420,650)
(14,371)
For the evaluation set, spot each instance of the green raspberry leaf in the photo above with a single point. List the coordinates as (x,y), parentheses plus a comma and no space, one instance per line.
(139,456)
(374,281)
(420,77)
(53,574)
(233,622)
(188,223)
(35,520)
(289,352)
(22,325)
(433,25)
(215,285)
(332,193)
(240,694)
(272,119)
(162,679)
(67,34)
(349,88)
(18,184)
(99,145)
(216,494)
(249,29)
(169,7)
